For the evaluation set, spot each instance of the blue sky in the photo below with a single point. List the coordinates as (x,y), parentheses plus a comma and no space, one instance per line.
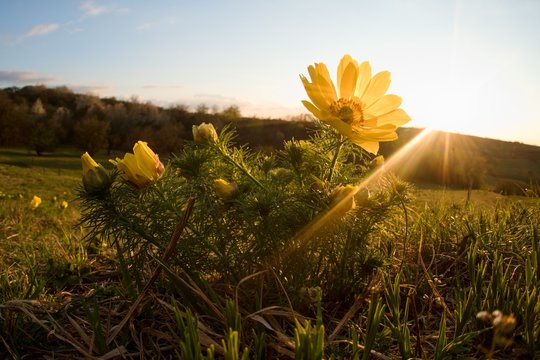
(463,66)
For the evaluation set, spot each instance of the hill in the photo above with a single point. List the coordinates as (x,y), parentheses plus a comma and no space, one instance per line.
(455,160)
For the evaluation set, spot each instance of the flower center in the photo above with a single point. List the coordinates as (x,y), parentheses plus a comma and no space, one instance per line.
(348,110)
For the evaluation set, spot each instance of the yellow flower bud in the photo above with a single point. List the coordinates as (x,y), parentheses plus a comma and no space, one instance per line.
(63,204)
(204,132)
(36,201)
(377,161)
(224,189)
(342,200)
(95,177)
(140,168)
(317,184)
(88,163)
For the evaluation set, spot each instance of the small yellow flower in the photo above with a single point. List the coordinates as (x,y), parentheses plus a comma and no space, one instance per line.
(36,201)
(224,189)
(95,177)
(359,109)
(140,168)
(63,204)
(204,132)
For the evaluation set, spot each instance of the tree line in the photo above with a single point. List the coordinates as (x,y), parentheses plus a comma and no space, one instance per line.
(43,118)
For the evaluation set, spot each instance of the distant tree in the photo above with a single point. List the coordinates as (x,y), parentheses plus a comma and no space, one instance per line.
(85,102)
(118,118)
(181,108)
(37,109)
(232,112)
(301,117)
(169,138)
(58,97)
(43,136)
(62,124)
(15,122)
(6,110)
(202,109)
(91,134)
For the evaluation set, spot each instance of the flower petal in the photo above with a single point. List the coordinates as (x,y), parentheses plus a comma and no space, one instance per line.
(384,105)
(347,81)
(376,132)
(346,76)
(314,93)
(397,117)
(325,84)
(314,110)
(127,166)
(146,160)
(364,77)
(377,88)
(370,146)
(344,62)
(322,73)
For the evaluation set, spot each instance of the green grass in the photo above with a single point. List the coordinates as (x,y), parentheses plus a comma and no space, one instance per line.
(447,260)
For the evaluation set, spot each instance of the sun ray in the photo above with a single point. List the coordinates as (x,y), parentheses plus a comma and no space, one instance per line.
(395,162)
(445,158)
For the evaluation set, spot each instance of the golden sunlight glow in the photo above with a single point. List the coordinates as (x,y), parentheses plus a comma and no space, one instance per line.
(403,159)
(465,160)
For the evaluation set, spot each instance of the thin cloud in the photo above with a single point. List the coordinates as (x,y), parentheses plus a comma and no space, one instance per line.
(42,29)
(144,27)
(101,90)
(150,87)
(24,77)
(92,9)
(215,98)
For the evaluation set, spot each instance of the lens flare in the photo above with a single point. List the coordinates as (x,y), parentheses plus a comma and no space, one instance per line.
(395,164)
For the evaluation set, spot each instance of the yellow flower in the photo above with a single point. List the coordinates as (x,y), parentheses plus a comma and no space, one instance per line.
(140,168)
(36,201)
(224,189)
(204,132)
(95,177)
(359,109)
(63,204)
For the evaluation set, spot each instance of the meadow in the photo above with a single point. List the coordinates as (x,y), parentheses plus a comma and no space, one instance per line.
(436,275)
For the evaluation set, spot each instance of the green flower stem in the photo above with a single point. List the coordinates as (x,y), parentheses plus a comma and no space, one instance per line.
(239,166)
(334,160)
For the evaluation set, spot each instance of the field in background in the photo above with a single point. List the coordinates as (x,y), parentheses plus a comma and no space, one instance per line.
(23,175)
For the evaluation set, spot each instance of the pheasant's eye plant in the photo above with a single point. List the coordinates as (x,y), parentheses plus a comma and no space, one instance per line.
(298,213)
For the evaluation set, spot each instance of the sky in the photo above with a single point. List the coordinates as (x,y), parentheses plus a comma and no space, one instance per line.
(462,66)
